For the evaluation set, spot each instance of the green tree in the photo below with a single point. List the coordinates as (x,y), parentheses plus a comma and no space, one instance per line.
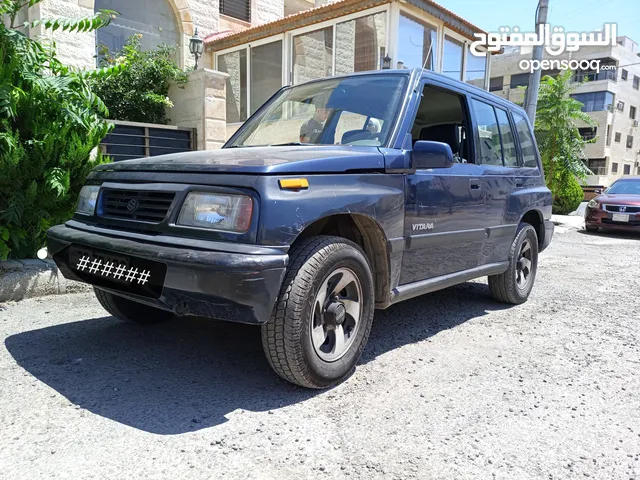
(561,146)
(50,125)
(139,94)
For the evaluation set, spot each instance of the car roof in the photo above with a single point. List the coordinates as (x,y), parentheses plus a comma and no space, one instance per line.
(635,178)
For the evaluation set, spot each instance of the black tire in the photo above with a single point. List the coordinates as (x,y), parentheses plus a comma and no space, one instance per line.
(591,228)
(287,337)
(130,311)
(505,287)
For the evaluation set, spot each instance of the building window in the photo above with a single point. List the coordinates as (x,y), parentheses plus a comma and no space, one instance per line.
(636,82)
(235,64)
(240,9)
(452,58)
(597,165)
(360,43)
(153,19)
(312,55)
(629,141)
(475,69)
(608,136)
(417,43)
(632,112)
(620,106)
(614,168)
(588,133)
(519,80)
(627,170)
(496,83)
(618,137)
(266,73)
(595,101)
(624,74)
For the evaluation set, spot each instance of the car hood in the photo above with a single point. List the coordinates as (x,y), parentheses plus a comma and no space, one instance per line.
(266,160)
(612,199)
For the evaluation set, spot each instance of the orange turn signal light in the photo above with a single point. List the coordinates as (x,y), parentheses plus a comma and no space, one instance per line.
(293,183)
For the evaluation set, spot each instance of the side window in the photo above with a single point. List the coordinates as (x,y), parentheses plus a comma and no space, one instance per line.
(442,117)
(508,140)
(490,149)
(526,141)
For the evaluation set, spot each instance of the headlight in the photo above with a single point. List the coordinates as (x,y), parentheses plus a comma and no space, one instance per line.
(87,199)
(217,211)
(593,203)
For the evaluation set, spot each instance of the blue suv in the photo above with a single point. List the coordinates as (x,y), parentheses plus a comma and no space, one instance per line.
(336,198)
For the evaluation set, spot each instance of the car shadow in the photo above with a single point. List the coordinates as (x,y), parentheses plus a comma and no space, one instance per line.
(190,373)
(622,234)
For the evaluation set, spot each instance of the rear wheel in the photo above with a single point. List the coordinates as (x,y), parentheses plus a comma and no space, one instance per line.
(323,315)
(514,285)
(130,311)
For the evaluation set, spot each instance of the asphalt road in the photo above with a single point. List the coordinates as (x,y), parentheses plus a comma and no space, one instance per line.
(451,385)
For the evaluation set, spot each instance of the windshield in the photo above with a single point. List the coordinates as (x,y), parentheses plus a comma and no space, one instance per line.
(626,187)
(356,110)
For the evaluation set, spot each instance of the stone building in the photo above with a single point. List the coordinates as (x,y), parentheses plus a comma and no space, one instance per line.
(611,97)
(254,47)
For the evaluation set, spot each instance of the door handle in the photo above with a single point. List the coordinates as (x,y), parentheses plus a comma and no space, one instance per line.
(519,183)
(474,184)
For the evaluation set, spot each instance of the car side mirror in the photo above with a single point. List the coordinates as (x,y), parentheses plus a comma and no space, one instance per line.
(597,191)
(427,154)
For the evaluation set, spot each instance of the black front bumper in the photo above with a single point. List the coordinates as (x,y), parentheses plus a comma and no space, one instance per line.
(237,287)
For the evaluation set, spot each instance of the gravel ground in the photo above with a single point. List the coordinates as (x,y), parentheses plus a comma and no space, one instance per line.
(451,385)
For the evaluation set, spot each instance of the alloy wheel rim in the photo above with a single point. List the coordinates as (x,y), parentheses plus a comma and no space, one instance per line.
(337,311)
(524,266)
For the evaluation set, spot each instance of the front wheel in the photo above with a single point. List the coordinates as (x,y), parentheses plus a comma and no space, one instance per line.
(514,285)
(591,228)
(323,316)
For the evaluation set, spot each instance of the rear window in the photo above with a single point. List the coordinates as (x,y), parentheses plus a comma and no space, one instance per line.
(527,144)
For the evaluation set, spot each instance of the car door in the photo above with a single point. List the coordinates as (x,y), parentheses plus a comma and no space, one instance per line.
(497,154)
(444,208)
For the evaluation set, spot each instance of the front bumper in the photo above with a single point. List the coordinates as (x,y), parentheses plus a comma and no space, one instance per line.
(237,287)
(597,217)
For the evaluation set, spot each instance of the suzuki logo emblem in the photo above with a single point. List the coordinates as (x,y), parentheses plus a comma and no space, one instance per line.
(133,205)
(622,209)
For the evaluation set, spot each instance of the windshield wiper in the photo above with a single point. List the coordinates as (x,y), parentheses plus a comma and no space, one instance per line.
(289,144)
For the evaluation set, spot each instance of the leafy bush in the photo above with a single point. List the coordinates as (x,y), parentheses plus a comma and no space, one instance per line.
(139,94)
(50,122)
(567,196)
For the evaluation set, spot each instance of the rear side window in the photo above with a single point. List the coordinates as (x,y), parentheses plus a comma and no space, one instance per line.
(526,141)
(490,150)
(508,141)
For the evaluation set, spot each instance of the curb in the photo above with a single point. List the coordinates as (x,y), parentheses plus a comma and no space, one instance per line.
(20,279)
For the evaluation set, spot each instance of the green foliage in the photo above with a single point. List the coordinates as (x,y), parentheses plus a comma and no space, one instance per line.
(561,146)
(139,94)
(568,195)
(50,123)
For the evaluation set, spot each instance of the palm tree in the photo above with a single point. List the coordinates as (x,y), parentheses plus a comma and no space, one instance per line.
(556,129)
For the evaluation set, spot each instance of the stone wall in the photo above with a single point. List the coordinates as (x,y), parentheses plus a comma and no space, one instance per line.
(201,105)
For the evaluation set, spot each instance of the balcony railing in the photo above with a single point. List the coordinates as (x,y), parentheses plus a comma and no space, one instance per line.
(600,171)
(596,76)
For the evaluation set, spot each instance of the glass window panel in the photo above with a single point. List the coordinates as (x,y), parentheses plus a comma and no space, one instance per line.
(594,101)
(475,69)
(153,19)
(235,64)
(312,55)
(508,141)
(526,141)
(417,41)
(452,59)
(360,43)
(490,150)
(266,72)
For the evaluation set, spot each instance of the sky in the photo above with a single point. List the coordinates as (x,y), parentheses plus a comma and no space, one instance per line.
(573,15)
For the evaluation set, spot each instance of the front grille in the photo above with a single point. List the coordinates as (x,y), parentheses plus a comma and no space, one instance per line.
(142,205)
(626,208)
